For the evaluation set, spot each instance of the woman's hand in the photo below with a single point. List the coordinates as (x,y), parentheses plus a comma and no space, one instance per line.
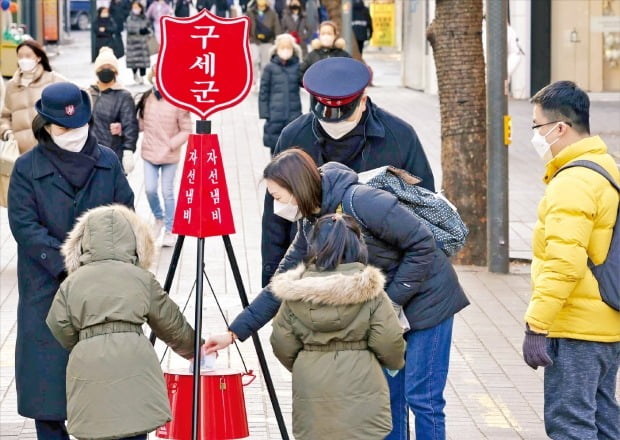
(116,128)
(219,341)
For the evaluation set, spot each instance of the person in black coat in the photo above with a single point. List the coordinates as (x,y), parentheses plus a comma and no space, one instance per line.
(119,11)
(361,23)
(278,99)
(327,45)
(372,138)
(420,280)
(181,8)
(64,175)
(107,33)
(114,111)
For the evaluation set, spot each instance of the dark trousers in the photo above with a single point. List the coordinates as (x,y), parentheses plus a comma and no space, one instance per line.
(141,69)
(360,44)
(51,430)
(580,386)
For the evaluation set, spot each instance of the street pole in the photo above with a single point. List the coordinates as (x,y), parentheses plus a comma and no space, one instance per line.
(93,29)
(347,29)
(498,137)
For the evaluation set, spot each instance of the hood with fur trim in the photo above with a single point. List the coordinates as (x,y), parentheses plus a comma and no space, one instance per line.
(352,283)
(112,232)
(338,44)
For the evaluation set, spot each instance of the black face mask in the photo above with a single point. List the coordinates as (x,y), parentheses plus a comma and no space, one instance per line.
(106,75)
(295,8)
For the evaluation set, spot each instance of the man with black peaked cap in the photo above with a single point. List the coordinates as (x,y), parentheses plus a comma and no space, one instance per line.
(64,175)
(343,126)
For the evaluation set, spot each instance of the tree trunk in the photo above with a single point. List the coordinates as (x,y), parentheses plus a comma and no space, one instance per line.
(334,10)
(455,36)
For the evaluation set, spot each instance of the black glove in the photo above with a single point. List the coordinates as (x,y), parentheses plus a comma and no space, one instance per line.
(145,31)
(535,349)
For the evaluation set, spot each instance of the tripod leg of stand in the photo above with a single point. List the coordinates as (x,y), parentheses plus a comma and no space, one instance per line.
(174,262)
(257,344)
(198,331)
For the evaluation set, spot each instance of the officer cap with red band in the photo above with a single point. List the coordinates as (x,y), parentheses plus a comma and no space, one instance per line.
(335,85)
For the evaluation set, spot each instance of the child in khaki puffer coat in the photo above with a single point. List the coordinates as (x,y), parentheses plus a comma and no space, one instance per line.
(115,385)
(335,329)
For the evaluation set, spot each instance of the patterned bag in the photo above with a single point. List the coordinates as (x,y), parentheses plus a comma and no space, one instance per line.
(432,208)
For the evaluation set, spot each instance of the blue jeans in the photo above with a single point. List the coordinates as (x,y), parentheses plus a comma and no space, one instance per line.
(580,386)
(421,383)
(151,176)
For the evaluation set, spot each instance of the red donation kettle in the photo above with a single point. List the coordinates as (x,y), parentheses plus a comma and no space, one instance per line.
(222,405)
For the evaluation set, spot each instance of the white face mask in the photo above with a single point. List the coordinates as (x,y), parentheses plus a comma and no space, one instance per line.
(542,147)
(287,211)
(72,140)
(27,64)
(326,40)
(285,54)
(336,130)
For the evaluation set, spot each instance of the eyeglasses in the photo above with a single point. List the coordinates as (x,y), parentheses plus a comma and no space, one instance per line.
(534,127)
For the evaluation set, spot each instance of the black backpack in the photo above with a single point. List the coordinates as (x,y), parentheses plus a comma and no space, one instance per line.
(608,272)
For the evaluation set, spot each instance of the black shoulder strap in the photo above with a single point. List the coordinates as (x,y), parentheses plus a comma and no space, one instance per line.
(594,167)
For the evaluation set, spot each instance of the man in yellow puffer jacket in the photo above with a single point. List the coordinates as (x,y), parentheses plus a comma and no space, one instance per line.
(569,329)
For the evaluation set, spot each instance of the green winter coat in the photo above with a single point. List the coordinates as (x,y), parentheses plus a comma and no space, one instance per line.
(334,331)
(115,386)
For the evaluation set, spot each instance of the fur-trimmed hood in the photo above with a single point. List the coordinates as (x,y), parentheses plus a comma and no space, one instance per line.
(112,232)
(352,283)
(339,43)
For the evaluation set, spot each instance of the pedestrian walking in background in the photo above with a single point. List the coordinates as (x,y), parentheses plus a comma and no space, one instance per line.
(339,390)
(264,26)
(115,386)
(119,11)
(166,129)
(22,91)
(328,45)
(114,113)
(361,23)
(156,10)
(182,8)
(108,34)
(294,22)
(64,175)
(570,330)
(138,31)
(278,100)
(420,280)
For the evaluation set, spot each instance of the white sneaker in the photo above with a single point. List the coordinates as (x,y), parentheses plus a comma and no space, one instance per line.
(169,239)
(157,227)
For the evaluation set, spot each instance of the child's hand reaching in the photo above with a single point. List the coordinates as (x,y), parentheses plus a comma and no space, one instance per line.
(219,341)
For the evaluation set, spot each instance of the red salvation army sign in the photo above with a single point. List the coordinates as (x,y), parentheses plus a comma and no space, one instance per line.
(203,207)
(204,63)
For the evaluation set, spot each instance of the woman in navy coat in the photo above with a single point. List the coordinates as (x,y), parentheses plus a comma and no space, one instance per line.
(66,174)
(420,280)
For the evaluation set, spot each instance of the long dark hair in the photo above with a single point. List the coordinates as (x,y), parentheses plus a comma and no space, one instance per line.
(295,171)
(38,51)
(336,239)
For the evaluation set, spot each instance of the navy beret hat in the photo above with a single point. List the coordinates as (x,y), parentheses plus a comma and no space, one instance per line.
(64,104)
(336,80)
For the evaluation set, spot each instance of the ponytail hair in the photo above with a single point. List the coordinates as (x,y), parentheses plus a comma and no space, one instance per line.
(336,239)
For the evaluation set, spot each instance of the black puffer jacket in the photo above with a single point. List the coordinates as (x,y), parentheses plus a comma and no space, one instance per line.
(278,100)
(418,274)
(114,105)
(320,53)
(388,140)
